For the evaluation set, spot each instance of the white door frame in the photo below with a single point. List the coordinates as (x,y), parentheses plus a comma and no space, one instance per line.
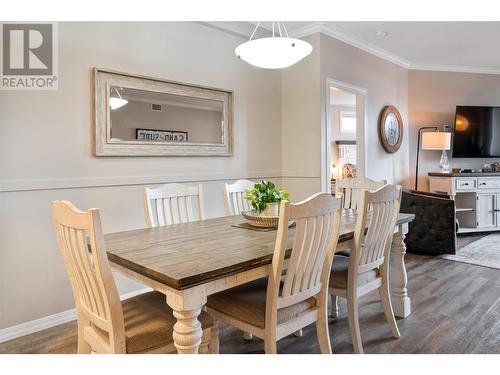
(361,120)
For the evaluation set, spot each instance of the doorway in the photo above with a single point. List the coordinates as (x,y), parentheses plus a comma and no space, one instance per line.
(343,137)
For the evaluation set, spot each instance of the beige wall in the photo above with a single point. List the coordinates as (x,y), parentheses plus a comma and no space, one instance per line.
(301,124)
(46,143)
(432,99)
(303,109)
(386,83)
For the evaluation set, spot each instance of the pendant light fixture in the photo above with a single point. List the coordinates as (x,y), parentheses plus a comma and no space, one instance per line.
(276,52)
(115,102)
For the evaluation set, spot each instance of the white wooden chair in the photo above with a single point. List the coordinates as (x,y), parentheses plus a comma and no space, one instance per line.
(367,267)
(234,200)
(272,310)
(173,204)
(351,187)
(141,324)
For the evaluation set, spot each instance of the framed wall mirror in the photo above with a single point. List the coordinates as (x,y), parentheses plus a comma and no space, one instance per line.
(142,116)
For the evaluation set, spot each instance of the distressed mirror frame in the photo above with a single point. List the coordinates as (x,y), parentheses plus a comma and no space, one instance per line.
(107,146)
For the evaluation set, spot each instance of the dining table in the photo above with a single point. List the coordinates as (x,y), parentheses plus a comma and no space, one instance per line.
(187,262)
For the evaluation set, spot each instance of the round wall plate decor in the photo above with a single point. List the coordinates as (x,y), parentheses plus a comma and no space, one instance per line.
(390,129)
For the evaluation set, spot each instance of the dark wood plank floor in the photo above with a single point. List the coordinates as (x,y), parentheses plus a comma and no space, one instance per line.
(455,309)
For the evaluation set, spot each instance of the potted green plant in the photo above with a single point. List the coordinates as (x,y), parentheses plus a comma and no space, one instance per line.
(265,198)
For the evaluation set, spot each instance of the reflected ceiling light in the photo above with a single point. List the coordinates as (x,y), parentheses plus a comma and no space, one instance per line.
(115,102)
(276,52)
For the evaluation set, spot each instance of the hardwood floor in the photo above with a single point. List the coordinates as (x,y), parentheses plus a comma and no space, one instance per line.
(455,309)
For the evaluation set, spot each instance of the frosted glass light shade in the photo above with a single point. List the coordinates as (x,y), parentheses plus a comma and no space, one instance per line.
(273,53)
(436,141)
(116,103)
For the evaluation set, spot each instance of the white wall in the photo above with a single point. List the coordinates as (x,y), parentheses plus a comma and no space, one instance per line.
(433,97)
(46,147)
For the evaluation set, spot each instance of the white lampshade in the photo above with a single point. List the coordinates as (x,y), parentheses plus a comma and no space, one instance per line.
(273,53)
(436,141)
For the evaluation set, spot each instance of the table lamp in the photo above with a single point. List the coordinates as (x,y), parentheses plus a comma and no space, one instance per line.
(333,170)
(434,140)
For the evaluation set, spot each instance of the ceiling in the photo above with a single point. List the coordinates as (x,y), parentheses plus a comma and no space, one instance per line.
(342,98)
(448,46)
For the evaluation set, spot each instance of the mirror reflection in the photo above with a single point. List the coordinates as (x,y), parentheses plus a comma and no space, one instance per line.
(148,116)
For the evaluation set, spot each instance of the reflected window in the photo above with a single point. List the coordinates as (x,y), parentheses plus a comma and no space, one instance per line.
(347,122)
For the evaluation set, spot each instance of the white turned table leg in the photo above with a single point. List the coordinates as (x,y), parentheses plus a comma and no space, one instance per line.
(187,305)
(187,331)
(401,303)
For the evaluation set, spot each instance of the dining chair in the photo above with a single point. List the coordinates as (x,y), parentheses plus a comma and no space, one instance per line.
(367,267)
(295,296)
(173,204)
(234,204)
(234,194)
(141,324)
(351,187)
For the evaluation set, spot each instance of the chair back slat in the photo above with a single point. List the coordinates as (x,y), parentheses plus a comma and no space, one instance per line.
(350,189)
(316,233)
(234,194)
(377,215)
(96,297)
(173,204)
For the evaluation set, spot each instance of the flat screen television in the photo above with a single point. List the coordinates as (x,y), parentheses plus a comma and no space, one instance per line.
(476,132)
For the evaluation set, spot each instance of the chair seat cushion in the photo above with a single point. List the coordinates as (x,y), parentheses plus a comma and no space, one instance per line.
(247,303)
(149,322)
(338,275)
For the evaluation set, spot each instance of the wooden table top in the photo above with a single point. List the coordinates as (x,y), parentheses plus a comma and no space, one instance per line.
(184,255)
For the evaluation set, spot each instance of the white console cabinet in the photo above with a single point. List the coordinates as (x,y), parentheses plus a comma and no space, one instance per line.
(477,198)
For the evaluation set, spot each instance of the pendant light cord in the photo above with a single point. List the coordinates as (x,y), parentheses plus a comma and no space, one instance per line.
(118,93)
(254,31)
(281,29)
(284,28)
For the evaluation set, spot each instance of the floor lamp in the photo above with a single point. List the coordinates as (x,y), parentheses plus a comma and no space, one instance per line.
(433,140)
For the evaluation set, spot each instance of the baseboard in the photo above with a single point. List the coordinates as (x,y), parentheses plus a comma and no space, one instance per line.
(37,325)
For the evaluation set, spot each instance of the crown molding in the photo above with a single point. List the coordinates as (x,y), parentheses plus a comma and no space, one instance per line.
(241,29)
(454,68)
(320,27)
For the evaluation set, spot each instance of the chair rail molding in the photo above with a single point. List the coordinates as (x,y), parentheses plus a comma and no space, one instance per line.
(96,182)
